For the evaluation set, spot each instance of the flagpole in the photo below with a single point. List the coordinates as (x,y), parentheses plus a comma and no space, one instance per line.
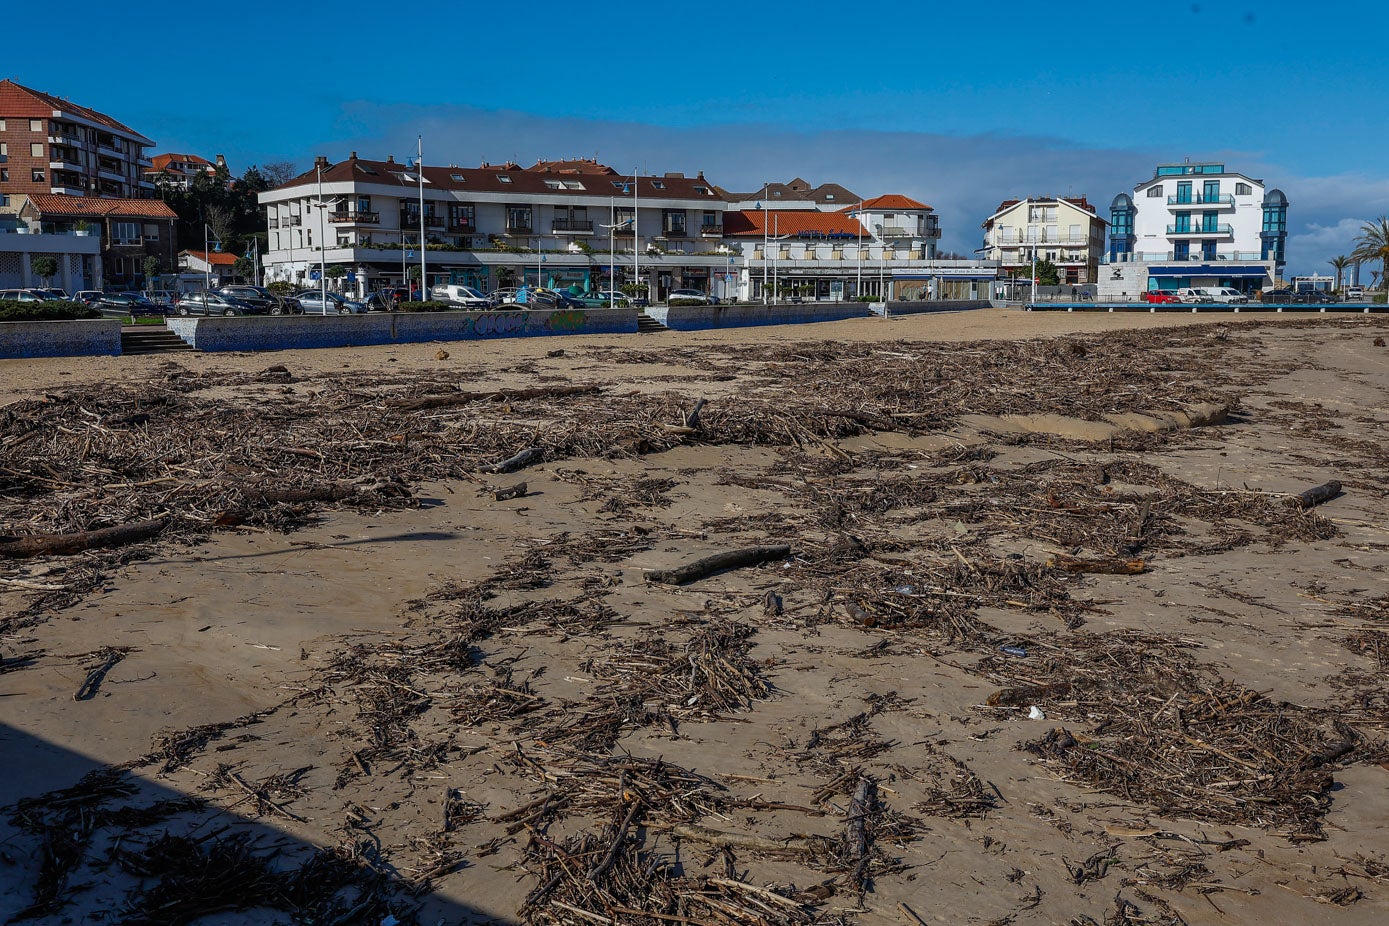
(419,166)
(636,233)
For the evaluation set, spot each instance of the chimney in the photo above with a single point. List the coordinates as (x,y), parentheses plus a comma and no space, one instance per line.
(320,161)
(390,159)
(352,156)
(221,161)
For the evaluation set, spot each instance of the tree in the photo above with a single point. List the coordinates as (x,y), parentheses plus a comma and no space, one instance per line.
(45,266)
(335,272)
(1340,262)
(151,271)
(1372,244)
(278,173)
(243,268)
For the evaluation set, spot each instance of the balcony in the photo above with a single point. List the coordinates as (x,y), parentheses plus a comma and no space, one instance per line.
(348,217)
(66,139)
(66,190)
(461,227)
(519,230)
(434,221)
(675,233)
(932,232)
(1200,231)
(572,227)
(711,231)
(896,231)
(290,221)
(62,163)
(108,173)
(1196,199)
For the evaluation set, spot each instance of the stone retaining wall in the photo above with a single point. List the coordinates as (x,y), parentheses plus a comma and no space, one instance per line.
(744,315)
(77,338)
(310,331)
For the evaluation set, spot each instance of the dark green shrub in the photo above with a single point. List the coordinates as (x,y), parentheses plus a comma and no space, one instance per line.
(11,311)
(424,307)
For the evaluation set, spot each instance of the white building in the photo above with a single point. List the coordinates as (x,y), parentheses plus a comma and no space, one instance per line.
(562,223)
(1195,225)
(1063,230)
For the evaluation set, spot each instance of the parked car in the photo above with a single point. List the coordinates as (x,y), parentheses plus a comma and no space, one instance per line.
(1289,296)
(534,298)
(263,298)
(56,294)
(1159,296)
(207,303)
(312,301)
(558,298)
(692,295)
(24,295)
(614,298)
(87,296)
(1354,293)
(165,297)
(462,296)
(595,301)
(131,304)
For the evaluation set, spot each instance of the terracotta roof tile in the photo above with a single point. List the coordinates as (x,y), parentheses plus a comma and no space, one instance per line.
(595,181)
(801,223)
(62,204)
(892,201)
(18,101)
(161,162)
(215,258)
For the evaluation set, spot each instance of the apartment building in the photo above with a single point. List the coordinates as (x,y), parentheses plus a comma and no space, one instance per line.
(178,171)
(1195,225)
(129,232)
(1062,229)
(559,223)
(54,146)
(796,194)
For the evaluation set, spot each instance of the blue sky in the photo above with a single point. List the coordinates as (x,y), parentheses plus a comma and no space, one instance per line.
(958,107)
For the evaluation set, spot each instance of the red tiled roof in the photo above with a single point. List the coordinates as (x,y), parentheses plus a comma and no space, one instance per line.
(215,258)
(798,222)
(890,201)
(573,166)
(62,204)
(18,101)
(162,161)
(596,180)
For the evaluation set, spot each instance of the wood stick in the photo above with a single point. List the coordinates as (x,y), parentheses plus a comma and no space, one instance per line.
(21,547)
(511,464)
(791,845)
(88,688)
(454,399)
(516,491)
(1318,494)
(733,559)
(1112,567)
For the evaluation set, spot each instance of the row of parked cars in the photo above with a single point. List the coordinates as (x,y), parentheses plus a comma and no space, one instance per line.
(1226,295)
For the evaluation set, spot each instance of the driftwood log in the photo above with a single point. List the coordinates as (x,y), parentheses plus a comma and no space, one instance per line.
(1112,567)
(1318,494)
(22,547)
(254,498)
(791,845)
(511,464)
(516,491)
(454,399)
(733,559)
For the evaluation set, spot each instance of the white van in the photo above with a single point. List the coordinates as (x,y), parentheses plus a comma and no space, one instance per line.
(464,296)
(1354,293)
(1219,294)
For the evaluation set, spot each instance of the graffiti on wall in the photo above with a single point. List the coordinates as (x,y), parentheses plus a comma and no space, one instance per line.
(567,320)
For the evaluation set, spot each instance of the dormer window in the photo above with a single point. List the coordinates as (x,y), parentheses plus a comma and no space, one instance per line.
(503,178)
(457,177)
(658,184)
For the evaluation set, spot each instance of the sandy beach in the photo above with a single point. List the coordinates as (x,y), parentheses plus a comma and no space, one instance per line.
(1028,625)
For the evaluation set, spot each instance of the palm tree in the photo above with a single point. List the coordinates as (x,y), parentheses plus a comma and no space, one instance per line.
(1372,244)
(1340,263)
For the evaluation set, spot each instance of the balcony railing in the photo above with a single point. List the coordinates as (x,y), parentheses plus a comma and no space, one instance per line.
(1196,199)
(64,138)
(577,226)
(675,233)
(896,231)
(348,217)
(461,228)
(1164,256)
(519,230)
(711,231)
(1201,231)
(932,232)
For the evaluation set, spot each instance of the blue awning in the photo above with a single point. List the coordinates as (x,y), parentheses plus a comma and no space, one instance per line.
(1209,270)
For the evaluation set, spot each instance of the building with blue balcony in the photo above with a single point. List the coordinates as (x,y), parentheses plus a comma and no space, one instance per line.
(1194,225)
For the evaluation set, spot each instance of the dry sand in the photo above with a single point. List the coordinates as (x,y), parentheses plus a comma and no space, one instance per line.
(1287,611)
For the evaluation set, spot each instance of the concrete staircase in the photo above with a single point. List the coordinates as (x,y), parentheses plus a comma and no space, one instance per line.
(646,324)
(151,339)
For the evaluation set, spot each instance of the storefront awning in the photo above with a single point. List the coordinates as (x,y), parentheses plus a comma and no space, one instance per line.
(1209,270)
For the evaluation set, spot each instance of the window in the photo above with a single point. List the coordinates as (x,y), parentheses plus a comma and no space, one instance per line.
(828,196)
(503,178)
(4,175)
(573,185)
(457,177)
(36,125)
(2,125)
(4,148)
(152,231)
(1155,192)
(4,197)
(658,184)
(1243,189)
(125,232)
(36,149)
(36,175)
(1075,233)
(518,218)
(554,184)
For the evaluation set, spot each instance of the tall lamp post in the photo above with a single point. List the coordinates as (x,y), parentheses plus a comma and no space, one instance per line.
(419,168)
(207,261)
(612,251)
(858,252)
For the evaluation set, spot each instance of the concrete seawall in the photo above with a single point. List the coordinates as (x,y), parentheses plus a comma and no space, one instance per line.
(310,331)
(942,305)
(744,315)
(77,338)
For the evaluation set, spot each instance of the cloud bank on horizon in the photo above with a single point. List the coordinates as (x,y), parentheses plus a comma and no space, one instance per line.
(964,177)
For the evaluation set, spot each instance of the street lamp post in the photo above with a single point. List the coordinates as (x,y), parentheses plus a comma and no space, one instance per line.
(612,251)
(858,252)
(636,232)
(207,262)
(322,245)
(419,168)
